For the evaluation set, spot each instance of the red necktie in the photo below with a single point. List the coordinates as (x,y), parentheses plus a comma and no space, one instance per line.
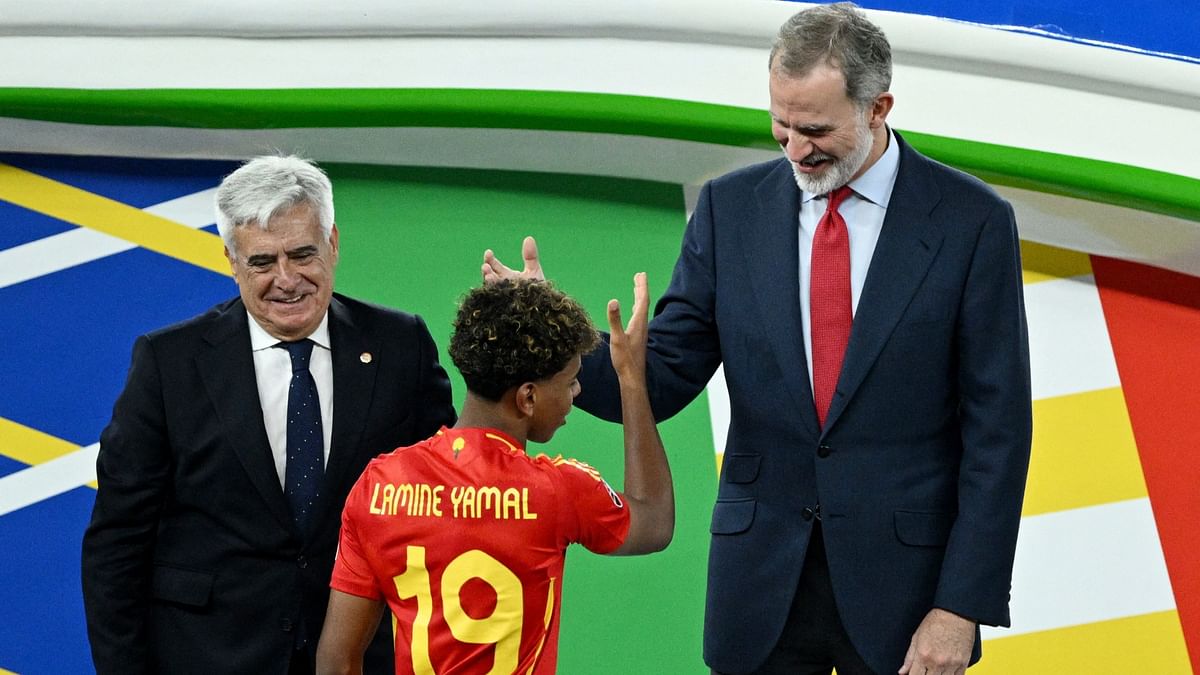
(830,311)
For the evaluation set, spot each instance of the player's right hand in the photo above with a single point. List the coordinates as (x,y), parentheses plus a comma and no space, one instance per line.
(628,345)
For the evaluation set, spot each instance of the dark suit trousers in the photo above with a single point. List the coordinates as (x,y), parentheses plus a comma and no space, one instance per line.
(813,640)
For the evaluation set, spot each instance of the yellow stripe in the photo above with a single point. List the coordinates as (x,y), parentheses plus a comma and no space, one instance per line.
(80,207)
(1041,262)
(537,656)
(30,446)
(1083,454)
(1150,643)
(503,440)
(6,672)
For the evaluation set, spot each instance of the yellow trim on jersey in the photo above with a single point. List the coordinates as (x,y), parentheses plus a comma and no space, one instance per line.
(537,656)
(503,440)
(582,466)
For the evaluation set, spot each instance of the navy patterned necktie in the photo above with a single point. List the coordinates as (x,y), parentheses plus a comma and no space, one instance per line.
(305,440)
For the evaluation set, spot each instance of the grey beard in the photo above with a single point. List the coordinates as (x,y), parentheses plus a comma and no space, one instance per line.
(841,170)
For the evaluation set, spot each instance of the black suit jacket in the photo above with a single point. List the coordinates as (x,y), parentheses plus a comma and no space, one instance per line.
(920,469)
(191,563)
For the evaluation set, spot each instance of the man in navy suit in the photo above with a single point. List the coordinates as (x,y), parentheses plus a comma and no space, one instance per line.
(870,527)
(198,559)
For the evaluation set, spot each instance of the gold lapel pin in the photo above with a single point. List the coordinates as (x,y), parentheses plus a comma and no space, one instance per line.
(365,357)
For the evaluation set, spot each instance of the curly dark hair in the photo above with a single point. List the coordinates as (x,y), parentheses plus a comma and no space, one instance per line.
(512,332)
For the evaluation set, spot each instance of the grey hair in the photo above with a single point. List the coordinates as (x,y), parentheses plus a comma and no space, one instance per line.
(838,35)
(264,186)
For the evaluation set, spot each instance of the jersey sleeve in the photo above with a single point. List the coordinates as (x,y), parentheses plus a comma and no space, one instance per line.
(351,569)
(601,515)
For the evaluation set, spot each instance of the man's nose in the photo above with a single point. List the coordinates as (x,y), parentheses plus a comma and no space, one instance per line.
(797,146)
(287,274)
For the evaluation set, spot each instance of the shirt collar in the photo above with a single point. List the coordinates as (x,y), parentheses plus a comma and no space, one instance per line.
(261,339)
(875,185)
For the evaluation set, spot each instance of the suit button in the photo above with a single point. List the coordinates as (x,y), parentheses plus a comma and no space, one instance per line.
(286,625)
(302,562)
(823,451)
(807,513)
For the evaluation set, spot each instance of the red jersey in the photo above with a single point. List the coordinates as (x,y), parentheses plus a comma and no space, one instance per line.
(464,536)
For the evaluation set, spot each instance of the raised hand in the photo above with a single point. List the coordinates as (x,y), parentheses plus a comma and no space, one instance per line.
(628,345)
(493,270)
(648,489)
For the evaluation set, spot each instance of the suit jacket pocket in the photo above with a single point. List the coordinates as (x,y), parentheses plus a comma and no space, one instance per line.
(182,586)
(733,516)
(741,468)
(922,528)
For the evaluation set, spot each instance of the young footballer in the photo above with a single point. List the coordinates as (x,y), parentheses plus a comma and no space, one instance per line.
(464,535)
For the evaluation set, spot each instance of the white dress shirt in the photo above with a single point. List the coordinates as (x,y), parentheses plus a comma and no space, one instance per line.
(863,212)
(273,372)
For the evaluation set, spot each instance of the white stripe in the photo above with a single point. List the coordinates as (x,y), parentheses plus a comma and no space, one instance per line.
(48,479)
(658,159)
(1086,565)
(1106,229)
(195,210)
(718,408)
(81,245)
(1069,347)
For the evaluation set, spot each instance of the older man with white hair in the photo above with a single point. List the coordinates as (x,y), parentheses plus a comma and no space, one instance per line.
(235,441)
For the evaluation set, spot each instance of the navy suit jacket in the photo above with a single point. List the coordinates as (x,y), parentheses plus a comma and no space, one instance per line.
(920,470)
(192,563)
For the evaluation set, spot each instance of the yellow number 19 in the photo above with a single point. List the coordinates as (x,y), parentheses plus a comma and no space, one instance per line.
(502,627)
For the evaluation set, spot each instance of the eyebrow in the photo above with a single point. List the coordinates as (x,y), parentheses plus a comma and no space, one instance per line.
(804,128)
(265,258)
(307,249)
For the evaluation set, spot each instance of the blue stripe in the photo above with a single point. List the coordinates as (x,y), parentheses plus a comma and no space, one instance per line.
(133,181)
(1166,26)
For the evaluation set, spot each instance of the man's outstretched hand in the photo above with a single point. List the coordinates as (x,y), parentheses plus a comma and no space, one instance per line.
(494,270)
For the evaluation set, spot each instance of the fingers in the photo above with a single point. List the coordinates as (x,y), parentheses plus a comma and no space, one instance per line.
(641,303)
(493,270)
(614,319)
(908,660)
(641,296)
(530,253)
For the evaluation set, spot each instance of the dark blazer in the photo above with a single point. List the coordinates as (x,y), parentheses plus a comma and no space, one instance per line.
(191,563)
(920,471)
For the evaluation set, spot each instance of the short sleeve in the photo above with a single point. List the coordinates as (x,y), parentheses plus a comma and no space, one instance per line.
(601,520)
(351,569)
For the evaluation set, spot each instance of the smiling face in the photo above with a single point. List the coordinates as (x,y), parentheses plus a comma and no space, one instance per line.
(285,272)
(827,138)
(553,398)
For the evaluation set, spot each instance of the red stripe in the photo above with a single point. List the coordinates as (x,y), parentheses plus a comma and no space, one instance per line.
(1153,321)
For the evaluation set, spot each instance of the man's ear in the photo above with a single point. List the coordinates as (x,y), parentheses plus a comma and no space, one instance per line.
(232,263)
(525,398)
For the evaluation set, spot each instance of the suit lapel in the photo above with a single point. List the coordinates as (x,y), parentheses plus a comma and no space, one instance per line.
(227,368)
(907,245)
(353,389)
(772,249)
